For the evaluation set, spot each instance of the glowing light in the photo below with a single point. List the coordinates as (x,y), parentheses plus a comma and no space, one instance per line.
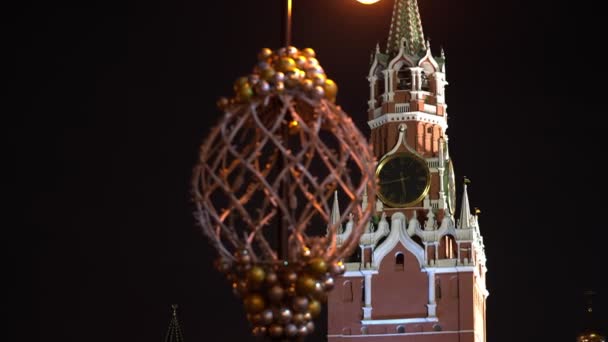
(368,2)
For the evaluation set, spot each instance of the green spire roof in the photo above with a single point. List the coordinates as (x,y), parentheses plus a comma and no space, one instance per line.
(174,334)
(405,24)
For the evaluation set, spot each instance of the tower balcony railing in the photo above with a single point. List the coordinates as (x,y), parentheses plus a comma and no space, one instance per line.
(402,107)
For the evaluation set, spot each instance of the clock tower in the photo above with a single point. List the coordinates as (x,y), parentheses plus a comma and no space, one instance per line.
(420,272)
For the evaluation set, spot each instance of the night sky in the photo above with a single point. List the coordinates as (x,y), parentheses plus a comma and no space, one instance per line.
(109,102)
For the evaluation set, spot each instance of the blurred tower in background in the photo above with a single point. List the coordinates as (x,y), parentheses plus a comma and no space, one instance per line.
(174,332)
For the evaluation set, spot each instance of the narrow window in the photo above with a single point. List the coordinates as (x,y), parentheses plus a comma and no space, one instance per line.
(400,329)
(399,262)
(348,291)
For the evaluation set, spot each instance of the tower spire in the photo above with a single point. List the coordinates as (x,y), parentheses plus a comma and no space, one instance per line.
(335,212)
(405,23)
(465,209)
(174,333)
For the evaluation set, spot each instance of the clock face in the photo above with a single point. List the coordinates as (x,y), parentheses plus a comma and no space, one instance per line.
(404,179)
(451,187)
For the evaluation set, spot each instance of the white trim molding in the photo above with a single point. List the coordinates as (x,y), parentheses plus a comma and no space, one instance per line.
(409,116)
(403,334)
(399,321)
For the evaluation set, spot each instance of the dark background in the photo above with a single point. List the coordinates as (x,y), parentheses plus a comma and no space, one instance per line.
(109,101)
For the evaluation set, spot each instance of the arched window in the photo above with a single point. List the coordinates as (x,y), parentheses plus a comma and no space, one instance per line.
(424,79)
(400,329)
(448,247)
(399,262)
(379,87)
(404,78)
(364,331)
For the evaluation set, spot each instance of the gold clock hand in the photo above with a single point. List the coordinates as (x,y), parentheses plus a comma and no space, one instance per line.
(392,181)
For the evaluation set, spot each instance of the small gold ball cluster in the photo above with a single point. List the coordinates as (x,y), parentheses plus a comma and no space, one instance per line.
(281,299)
(283,71)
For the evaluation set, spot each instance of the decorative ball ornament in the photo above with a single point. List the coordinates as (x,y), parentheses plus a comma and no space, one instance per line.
(263,188)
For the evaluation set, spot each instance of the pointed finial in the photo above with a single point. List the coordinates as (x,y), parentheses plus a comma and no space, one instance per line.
(174,308)
(442,53)
(377,47)
(428,44)
(465,211)
(335,210)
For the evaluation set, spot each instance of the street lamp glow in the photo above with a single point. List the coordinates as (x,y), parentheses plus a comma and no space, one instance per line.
(368,2)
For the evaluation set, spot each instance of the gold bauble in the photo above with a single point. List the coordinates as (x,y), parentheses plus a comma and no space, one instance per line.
(307,84)
(331,89)
(222,103)
(314,307)
(276,293)
(308,52)
(319,79)
(259,331)
(254,303)
(271,278)
(221,264)
(317,266)
(267,74)
(313,62)
(300,304)
(286,64)
(276,330)
(256,319)
(299,318)
(301,61)
(244,94)
(291,291)
(240,287)
(240,83)
(256,276)
(292,51)
(264,54)
(289,277)
(305,285)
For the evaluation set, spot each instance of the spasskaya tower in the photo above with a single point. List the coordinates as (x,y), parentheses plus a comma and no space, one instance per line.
(420,271)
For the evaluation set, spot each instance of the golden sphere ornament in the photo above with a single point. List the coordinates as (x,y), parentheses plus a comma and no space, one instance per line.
(254,303)
(305,285)
(314,307)
(317,266)
(256,276)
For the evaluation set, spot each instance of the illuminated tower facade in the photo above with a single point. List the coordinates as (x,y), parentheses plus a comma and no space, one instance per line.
(420,271)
